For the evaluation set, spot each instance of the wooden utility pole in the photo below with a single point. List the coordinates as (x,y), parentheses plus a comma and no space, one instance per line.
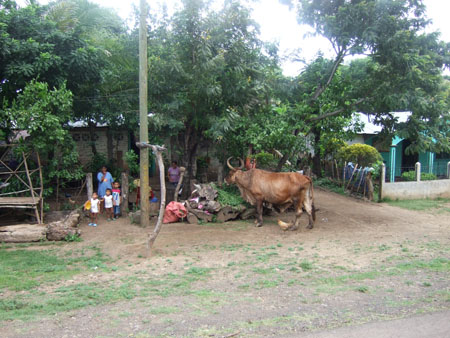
(143,115)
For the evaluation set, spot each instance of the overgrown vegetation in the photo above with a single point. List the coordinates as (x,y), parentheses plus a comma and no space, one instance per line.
(330,184)
(411,176)
(229,195)
(439,205)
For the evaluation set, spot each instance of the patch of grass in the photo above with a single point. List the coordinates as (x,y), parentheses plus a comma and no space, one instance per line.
(420,204)
(266,283)
(263,271)
(64,299)
(164,310)
(306,265)
(27,269)
(362,288)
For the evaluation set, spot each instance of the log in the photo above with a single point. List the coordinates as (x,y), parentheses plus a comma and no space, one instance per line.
(207,217)
(227,213)
(191,218)
(22,233)
(249,213)
(369,186)
(202,215)
(125,188)
(57,231)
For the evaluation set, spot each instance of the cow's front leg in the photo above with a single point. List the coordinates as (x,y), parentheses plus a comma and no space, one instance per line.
(259,211)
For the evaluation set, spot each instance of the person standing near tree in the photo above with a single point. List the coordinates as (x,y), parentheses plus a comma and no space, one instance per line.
(174,174)
(105,180)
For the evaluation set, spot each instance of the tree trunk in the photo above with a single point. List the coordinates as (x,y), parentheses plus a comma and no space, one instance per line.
(282,161)
(92,137)
(109,145)
(190,144)
(317,165)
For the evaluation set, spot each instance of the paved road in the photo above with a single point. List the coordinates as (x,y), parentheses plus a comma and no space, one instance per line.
(434,325)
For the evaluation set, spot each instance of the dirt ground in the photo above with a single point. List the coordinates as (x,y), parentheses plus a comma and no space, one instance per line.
(362,262)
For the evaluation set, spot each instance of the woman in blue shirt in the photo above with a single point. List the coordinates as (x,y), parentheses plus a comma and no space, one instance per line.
(105,181)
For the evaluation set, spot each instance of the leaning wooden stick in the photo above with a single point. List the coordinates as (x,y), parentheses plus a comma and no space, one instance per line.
(157,150)
(180,182)
(351,177)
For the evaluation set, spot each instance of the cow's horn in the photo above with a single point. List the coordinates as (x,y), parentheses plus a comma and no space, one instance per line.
(229,165)
(241,161)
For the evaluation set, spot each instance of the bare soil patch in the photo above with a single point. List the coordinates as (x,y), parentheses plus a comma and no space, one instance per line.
(361,263)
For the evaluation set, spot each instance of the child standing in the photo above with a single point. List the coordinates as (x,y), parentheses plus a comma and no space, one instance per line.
(95,205)
(117,199)
(109,204)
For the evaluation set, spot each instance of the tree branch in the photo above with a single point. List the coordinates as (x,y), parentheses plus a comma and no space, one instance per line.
(336,112)
(320,89)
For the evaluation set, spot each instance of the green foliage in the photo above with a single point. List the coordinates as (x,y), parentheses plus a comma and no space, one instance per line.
(132,161)
(73,238)
(265,160)
(411,176)
(361,154)
(44,114)
(229,195)
(329,185)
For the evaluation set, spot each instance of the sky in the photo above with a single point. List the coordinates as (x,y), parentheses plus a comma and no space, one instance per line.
(279,24)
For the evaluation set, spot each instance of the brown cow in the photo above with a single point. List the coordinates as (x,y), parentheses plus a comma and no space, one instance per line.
(281,189)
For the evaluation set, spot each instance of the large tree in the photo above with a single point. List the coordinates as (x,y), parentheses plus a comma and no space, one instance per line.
(402,72)
(205,72)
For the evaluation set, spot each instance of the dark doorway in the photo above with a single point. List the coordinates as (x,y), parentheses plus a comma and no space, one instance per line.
(408,160)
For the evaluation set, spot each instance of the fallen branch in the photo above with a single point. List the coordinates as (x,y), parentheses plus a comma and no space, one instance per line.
(157,150)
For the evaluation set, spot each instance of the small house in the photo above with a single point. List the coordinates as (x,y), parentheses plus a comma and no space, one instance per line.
(394,153)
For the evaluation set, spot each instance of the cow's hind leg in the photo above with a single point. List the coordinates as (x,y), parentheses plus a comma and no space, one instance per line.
(259,211)
(308,205)
(298,212)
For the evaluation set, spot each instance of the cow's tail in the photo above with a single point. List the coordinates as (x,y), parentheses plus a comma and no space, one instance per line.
(311,189)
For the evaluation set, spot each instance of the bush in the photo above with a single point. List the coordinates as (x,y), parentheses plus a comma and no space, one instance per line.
(411,176)
(100,160)
(361,154)
(265,160)
(132,161)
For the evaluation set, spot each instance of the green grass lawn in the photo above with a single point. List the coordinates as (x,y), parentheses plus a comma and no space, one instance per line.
(440,204)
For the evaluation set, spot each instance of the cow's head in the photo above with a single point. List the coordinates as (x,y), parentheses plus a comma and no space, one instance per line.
(231,177)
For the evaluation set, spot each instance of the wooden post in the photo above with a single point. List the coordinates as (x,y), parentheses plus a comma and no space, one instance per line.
(351,177)
(89,185)
(369,186)
(36,211)
(41,186)
(180,182)
(143,115)
(337,170)
(343,174)
(125,192)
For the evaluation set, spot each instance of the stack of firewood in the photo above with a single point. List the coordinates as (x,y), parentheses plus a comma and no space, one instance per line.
(203,205)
